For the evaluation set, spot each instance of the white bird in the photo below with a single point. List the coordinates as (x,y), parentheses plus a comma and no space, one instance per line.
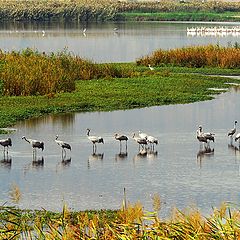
(121,138)
(35,144)
(152,140)
(142,135)
(94,139)
(200,136)
(63,145)
(140,141)
(6,143)
(150,67)
(233,131)
(209,136)
(237,138)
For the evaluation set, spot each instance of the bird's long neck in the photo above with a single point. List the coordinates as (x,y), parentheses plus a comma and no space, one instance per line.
(27,140)
(235,125)
(88,131)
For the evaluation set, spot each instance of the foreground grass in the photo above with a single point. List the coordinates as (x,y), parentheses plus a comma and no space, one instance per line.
(150,88)
(130,222)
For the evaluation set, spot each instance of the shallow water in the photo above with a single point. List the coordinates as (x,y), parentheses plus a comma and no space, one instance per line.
(101,43)
(176,170)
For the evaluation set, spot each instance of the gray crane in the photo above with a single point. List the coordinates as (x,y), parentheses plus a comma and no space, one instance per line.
(6,143)
(94,139)
(63,145)
(35,144)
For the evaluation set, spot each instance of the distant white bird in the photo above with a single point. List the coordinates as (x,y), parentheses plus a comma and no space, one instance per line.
(150,67)
(237,138)
(94,139)
(6,143)
(63,145)
(84,30)
(35,144)
(233,131)
(121,138)
(140,141)
(142,135)
(152,140)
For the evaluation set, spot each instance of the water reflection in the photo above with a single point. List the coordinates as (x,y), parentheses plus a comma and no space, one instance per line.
(38,163)
(152,154)
(142,154)
(204,153)
(121,156)
(95,157)
(6,162)
(66,162)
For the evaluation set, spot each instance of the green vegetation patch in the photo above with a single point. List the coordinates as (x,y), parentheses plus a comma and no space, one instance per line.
(148,89)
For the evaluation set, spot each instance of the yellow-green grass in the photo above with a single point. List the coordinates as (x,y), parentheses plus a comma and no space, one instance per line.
(148,89)
(105,10)
(130,222)
(196,56)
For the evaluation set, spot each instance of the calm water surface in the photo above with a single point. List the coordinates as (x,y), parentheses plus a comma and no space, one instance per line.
(176,170)
(101,43)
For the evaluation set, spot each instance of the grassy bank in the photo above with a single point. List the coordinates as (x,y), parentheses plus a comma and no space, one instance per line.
(181,16)
(107,10)
(131,222)
(148,89)
(34,84)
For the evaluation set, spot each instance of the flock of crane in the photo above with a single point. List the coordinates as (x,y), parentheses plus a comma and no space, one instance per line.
(142,139)
(207,137)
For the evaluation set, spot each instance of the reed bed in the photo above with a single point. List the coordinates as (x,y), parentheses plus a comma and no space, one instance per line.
(131,222)
(93,10)
(197,56)
(32,73)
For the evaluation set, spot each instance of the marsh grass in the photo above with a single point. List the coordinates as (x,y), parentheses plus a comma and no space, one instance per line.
(131,222)
(147,88)
(105,10)
(197,56)
(30,72)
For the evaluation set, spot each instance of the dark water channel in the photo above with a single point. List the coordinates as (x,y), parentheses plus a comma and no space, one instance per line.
(176,170)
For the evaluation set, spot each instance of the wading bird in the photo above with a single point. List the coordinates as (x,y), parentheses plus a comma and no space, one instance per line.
(200,136)
(233,131)
(237,138)
(35,144)
(6,143)
(63,145)
(142,135)
(121,138)
(94,139)
(152,140)
(150,67)
(141,141)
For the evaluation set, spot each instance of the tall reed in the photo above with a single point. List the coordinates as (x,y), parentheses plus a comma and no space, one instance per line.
(128,223)
(197,56)
(104,10)
(29,72)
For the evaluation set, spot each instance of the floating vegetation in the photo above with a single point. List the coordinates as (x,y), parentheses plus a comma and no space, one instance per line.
(197,56)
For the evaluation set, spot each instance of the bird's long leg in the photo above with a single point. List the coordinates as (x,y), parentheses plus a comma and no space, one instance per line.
(126,146)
